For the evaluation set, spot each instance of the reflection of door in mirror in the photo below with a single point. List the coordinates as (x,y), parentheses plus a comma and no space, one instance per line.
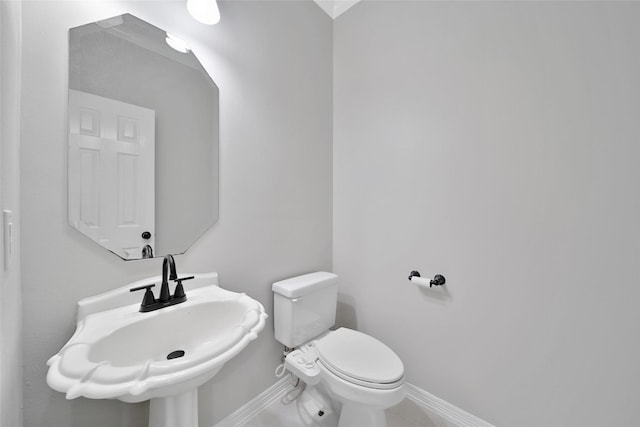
(111,172)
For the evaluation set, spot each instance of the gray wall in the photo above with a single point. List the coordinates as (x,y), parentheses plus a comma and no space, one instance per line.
(10,295)
(495,143)
(273,64)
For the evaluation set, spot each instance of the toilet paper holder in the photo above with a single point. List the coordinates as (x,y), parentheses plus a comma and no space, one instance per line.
(438,279)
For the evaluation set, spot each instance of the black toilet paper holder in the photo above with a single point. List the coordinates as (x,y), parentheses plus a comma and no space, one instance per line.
(438,279)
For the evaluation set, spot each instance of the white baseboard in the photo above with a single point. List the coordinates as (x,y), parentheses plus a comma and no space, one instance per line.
(431,404)
(451,414)
(249,410)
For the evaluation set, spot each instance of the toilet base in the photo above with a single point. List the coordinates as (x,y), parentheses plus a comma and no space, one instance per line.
(354,415)
(315,400)
(316,409)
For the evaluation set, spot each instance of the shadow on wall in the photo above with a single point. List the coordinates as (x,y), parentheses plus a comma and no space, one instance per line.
(124,414)
(346,312)
(438,294)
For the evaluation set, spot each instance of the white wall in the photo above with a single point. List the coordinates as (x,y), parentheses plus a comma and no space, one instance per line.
(495,143)
(10,295)
(272,63)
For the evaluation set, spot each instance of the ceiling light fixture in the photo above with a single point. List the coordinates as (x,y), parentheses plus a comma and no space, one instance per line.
(205,11)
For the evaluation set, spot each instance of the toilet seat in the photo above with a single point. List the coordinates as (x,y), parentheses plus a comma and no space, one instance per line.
(360,359)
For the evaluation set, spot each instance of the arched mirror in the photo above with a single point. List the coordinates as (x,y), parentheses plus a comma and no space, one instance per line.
(143,139)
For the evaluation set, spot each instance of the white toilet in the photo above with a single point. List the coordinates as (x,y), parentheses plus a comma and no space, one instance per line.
(357,371)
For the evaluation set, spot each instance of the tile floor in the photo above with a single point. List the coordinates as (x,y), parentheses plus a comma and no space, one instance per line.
(283,413)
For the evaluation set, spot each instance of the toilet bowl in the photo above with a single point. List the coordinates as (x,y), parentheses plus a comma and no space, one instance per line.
(360,373)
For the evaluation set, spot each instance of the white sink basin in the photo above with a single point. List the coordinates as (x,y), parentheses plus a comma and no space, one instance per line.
(204,330)
(117,352)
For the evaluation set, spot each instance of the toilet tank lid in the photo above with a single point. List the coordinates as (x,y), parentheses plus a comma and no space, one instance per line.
(298,286)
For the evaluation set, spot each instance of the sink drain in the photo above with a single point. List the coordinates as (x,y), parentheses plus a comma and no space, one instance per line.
(175,354)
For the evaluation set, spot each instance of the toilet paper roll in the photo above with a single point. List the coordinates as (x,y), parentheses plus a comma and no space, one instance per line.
(421,281)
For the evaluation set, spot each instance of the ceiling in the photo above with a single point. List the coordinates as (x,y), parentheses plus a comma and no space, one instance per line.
(335,7)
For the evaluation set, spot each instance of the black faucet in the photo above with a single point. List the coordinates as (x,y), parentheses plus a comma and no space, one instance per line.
(149,302)
(167,264)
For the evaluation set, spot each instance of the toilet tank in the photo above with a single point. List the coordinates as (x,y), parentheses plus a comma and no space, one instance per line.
(304,307)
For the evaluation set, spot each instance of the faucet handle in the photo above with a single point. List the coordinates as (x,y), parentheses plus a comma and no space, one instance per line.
(179,292)
(148,298)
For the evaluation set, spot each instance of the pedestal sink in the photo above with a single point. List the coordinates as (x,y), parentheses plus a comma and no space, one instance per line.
(163,356)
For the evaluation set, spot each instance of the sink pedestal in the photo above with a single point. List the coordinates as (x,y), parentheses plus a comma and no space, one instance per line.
(180,410)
